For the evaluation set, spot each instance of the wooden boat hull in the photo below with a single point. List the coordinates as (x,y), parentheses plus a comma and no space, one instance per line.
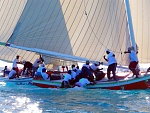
(132,84)
(18,81)
(47,84)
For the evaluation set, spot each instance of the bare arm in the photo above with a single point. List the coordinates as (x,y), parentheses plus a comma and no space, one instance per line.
(19,62)
(41,58)
(105,58)
(127,52)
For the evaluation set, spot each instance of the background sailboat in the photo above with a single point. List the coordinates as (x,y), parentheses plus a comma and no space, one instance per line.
(75,30)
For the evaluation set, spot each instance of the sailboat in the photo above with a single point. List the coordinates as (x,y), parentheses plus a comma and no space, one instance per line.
(66,32)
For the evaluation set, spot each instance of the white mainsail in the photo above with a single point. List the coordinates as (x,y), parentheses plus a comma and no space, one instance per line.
(140,11)
(10,12)
(82,29)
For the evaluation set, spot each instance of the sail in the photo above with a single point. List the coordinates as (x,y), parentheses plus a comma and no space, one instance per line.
(65,30)
(141,24)
(10,12)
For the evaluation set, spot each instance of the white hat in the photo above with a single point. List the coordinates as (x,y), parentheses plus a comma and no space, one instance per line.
(107,50)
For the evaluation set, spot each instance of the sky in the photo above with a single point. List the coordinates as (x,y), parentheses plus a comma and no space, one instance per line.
(9,65)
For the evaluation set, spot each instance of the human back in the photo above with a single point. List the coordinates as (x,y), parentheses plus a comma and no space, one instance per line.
(111,58)
(45,75)
(12,74)
(133,56)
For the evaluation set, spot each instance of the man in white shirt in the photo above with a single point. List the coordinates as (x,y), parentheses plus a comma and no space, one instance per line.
(95,67)
(15,62)
(45,75)
(5,71)
(39,70)
(66,81)
(78,71)
(73,72)
(82,82)
(86,72)
(112,64)
(36,65)
(78,75)
(12,74)
(97,71)
(27,68)
(133,61)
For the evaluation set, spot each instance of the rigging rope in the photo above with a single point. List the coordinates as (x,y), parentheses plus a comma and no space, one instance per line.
(95,33)
(120,52)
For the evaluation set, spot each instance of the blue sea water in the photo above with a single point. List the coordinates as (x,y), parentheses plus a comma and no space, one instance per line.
(32,99)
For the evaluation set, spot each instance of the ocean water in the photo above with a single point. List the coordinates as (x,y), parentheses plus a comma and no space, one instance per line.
(32,99)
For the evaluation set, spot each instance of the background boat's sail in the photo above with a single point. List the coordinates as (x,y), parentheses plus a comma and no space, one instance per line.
(140,11)
(79,28)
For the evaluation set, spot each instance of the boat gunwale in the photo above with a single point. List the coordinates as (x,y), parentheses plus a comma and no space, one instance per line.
(103,84)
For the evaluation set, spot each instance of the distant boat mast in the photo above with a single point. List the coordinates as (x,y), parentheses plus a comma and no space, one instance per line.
(130,23)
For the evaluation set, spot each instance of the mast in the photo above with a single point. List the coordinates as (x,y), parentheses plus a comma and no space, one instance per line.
(130,24)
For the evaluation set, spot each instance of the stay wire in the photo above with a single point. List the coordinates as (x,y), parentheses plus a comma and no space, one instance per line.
(94,32)
(97,37)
